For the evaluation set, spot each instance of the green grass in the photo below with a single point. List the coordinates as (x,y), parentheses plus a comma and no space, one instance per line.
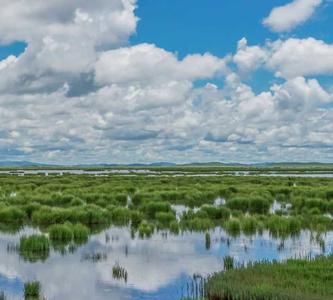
(306,279)
(65,233)
(61,232)
(34,247)
(102,201)
(32,290)
(146,230)
(80,233)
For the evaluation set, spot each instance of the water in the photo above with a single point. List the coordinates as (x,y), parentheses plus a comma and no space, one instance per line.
(175,173)
(277,206)
(159,268)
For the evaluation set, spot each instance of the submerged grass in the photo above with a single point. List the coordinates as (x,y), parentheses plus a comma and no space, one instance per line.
(306,279)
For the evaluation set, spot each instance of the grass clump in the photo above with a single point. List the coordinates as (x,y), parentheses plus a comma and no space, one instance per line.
(121,215)
(10,215)
(65,233)
(61,232)
(280,226)
(174,227)
(233,227)
(308,279)
(249,225)
(216,213)
(32,290)
(165,218)
(146,230)
(198,224)
(152,208)
(228,263)
(251,204)
(80,232)
(35,247)
(259,205)
(238,203)
(136,218)
(119,272)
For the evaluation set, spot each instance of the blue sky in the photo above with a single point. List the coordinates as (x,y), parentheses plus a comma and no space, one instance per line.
(15,48)
(198,26)
(152,80)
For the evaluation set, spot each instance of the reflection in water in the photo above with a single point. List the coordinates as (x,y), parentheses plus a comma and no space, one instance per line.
(113,265)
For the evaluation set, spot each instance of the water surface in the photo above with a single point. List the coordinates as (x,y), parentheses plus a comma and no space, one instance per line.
(158,268)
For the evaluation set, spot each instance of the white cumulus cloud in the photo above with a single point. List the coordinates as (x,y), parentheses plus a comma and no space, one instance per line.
(81,92)
(287,17)
(301,57)
(148,63)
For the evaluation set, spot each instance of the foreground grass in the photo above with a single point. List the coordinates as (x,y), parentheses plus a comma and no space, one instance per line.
(309,279)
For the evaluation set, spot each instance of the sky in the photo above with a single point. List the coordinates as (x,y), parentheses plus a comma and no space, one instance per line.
(125,81)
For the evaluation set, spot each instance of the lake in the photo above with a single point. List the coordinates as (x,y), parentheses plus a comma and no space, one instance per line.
(160,268)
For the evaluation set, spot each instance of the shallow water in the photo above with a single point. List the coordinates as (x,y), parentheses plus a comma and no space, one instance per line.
(175,173)
(158,268)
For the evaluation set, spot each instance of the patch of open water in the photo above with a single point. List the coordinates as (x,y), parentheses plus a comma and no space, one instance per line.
(157,268)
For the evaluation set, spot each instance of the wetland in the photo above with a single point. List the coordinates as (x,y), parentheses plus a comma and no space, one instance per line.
(82,236)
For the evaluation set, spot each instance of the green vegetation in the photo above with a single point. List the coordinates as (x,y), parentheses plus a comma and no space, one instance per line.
(80,233)
(32,290)
(34,248)
(228,263)
(67,232)
(68,208)
(308,279)
(119,272)
(90,202)
(61,233)
(146,229)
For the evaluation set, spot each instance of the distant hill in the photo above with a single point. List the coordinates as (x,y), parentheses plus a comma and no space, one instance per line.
(20,164)
(24,164)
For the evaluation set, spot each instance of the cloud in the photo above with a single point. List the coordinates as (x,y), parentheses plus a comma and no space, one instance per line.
(287,17)
(248,58)
(63,39)
(7,62)
(300,57)
(299,94)
(79,95)
(147,63)
(104,22)
(287,58)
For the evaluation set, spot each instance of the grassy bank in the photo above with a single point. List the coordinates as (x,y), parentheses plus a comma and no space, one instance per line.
(308,279)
